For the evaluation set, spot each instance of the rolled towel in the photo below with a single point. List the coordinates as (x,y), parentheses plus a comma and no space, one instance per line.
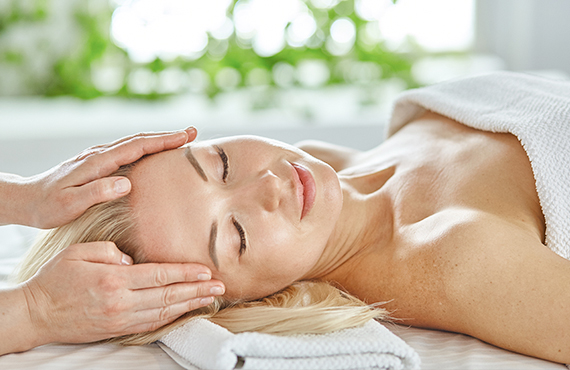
(204,345)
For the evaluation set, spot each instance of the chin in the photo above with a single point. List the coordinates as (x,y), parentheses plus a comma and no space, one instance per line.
(332,191)
(330,199)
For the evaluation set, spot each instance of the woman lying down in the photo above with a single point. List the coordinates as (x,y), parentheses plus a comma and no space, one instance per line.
(442,222)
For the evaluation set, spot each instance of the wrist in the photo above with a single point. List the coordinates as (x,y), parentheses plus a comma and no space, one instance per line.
(18,331)
(36,335)
(15,206)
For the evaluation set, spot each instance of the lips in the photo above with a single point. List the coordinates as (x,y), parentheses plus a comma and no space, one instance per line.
(305,187)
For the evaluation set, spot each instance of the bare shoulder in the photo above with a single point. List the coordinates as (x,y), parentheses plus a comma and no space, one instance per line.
(494,279)
(337,156)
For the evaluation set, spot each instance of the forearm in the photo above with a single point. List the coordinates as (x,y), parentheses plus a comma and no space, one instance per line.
(13,199)
(15,324)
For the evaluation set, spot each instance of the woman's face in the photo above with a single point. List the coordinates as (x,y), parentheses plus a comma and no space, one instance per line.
(257,212)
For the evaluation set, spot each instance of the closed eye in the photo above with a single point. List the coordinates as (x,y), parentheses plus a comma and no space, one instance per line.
(243,241)
(224,159)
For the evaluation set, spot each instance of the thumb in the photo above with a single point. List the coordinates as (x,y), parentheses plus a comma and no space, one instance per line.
(99,252)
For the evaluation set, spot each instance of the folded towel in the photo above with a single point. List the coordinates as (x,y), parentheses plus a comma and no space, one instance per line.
(205,345)
(535,110)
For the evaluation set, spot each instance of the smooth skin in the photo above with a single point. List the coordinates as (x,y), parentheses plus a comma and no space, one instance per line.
(92,291)
(461,242)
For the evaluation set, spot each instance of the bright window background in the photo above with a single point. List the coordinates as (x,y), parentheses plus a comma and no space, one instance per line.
(152,49)
(222,63)
(308,43)
(150,29)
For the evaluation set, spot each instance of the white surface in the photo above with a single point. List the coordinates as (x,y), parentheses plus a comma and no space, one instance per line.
(443,350)
(41,118)
(90,356)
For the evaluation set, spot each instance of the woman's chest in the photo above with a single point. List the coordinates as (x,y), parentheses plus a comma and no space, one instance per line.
(440,164)
(451,184)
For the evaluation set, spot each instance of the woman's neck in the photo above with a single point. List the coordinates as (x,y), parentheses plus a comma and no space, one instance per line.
(365,222)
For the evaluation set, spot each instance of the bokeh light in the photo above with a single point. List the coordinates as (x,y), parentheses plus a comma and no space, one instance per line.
(166,29)
(262,24)
(313,73)
(336,30)
(342,36)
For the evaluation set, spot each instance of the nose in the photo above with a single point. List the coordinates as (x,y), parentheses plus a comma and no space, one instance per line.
(268,191)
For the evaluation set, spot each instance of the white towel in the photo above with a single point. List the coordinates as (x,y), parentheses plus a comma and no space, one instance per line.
(535,110)
(204,345)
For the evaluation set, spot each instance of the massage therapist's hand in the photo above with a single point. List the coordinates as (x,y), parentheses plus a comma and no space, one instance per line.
(60,195)
(90,292)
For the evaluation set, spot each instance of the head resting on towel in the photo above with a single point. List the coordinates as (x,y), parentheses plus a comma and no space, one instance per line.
(259,213)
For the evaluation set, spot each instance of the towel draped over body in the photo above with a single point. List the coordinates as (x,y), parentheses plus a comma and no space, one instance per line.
(536,110)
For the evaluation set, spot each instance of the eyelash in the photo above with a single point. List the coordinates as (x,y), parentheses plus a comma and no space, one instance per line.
(243,244)
(224,158)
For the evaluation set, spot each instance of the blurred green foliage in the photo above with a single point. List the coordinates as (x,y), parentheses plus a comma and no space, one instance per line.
(17,13)
(72,73)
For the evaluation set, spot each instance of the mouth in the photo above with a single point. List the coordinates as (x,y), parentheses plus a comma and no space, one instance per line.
(305,187)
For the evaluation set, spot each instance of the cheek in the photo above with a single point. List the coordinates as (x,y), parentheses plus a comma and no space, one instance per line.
(289,254)
(277,243)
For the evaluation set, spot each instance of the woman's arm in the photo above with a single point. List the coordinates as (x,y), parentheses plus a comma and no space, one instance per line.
(338,157)
(503,286)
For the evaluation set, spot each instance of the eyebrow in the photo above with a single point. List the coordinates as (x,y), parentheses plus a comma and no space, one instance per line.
(194,163)
(214,228)
(212,244)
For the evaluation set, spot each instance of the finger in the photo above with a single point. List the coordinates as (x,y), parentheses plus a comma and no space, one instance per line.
(97,191)
(175,293)
(98,252)
(152,319)
(191,131)
(133,149)
(149,275)
(170,140)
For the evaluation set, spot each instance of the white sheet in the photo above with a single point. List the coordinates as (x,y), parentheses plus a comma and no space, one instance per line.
(443,350)
(438,350)
(90,356)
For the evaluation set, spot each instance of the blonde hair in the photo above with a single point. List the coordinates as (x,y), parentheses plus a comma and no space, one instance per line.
(302,308)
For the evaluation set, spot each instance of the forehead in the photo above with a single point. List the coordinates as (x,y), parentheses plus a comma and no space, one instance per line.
(164,197)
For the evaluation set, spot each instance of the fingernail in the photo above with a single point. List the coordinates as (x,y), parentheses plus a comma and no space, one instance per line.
(190,128)
(217,290)
(206,301)
(122,186)
(204,277)
(126,260)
